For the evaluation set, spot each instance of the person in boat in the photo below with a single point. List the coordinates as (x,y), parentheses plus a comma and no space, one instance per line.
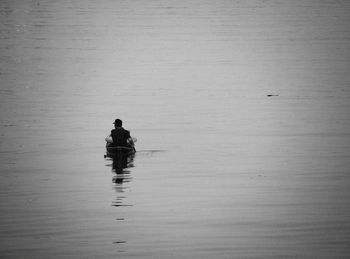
(119,136)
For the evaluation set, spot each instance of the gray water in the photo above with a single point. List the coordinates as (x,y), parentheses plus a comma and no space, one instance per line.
(223,170)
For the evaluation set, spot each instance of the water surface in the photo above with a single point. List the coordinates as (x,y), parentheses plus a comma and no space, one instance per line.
(241,110)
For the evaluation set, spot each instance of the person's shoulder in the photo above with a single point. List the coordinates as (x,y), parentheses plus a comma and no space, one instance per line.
(115,131)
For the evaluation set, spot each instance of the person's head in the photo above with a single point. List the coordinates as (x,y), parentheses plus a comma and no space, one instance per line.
(118,123)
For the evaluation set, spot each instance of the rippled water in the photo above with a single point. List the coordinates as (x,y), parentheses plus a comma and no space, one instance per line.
(241,110)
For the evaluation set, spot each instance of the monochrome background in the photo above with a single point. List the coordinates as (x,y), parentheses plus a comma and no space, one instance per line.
(241,111)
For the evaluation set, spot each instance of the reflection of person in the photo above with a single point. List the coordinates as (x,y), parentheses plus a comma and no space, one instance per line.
(120,136)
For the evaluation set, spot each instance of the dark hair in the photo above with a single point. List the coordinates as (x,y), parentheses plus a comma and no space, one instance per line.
(118,123)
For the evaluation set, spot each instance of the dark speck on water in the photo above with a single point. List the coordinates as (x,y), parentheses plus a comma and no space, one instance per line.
(119,242)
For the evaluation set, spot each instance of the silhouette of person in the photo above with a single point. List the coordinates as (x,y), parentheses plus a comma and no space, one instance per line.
(120,136)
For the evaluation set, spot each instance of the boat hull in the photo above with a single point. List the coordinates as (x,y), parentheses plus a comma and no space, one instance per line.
(113,151)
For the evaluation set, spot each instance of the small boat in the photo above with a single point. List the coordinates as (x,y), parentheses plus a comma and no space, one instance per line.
(119,151)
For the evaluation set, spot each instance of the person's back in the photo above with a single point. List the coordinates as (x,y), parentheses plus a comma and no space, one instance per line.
(120,136)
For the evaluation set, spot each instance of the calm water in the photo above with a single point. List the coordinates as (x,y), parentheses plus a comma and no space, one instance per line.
(222,170)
